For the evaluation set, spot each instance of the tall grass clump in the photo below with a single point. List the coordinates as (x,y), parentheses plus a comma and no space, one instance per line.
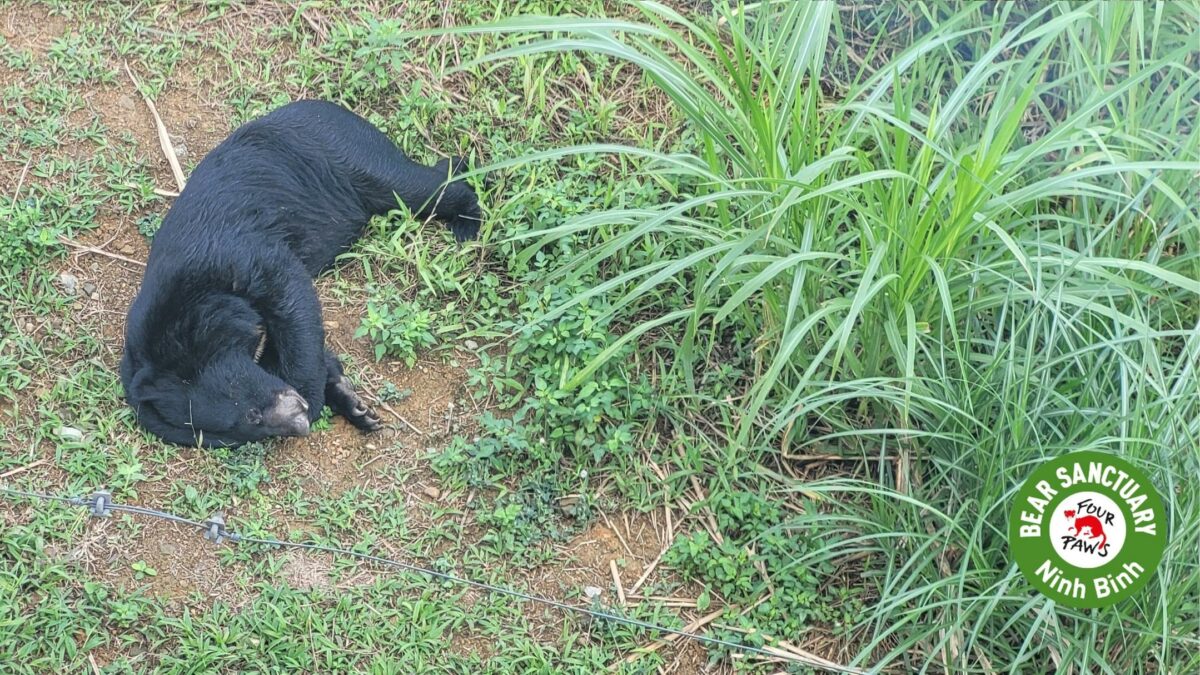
(953,255)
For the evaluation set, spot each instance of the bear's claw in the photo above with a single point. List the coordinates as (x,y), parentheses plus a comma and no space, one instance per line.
(345,402)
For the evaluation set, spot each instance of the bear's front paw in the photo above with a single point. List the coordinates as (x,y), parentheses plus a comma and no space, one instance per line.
(365,419)
(345,401)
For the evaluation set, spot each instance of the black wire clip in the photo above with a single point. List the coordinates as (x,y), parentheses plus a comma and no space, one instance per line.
(99,502)
(214,529)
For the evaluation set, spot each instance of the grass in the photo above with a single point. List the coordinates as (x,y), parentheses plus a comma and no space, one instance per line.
(969,264)
(828,282)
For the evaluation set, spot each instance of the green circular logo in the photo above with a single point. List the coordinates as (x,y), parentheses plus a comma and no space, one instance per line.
(1087,529)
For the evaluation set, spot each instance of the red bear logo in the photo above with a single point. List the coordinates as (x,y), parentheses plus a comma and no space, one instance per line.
(1094,527)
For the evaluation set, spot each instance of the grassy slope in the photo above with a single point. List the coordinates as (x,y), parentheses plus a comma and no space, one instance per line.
(978,358)
(972,247)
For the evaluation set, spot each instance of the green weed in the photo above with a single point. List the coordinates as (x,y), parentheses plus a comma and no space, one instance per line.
(399,329)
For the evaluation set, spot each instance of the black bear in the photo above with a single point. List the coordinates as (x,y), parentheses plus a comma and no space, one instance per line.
(224,342)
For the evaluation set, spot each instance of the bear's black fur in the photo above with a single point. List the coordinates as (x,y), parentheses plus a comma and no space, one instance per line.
(224,342)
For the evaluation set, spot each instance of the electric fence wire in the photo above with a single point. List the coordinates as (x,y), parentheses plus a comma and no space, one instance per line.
(101,504)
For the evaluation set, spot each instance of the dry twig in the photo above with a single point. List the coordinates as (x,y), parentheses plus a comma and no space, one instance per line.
(616,575)
(650,649)
(82,248)
(395,414)
(164,139)
(22,469)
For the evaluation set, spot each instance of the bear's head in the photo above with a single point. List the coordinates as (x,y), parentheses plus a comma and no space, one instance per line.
(208,387)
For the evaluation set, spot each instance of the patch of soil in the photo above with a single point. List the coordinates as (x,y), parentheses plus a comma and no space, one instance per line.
(179,563)
(304,571)
(324,463)
(632,543)
(115,283)
(195,124)
(31,27)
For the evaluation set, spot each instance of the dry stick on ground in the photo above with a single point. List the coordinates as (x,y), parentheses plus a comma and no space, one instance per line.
(22,469)
(664,600)
(762,569)
(651,648)
(751,608)
(903,466)
(21,180)
(395,414)
(317,29)
(164,139)
(710,520)
(790,651)
(794,653)
(618,533)
(649,569)
(363,467)
(616,575)
(158,191)
(668,541)
(82,248)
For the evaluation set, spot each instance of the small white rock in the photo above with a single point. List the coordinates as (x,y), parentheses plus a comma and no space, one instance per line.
(69,282)
(592,591)
(471,344)
(69,433)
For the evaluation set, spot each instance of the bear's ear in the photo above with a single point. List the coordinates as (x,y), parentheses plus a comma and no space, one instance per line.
(140,387)
(150,386)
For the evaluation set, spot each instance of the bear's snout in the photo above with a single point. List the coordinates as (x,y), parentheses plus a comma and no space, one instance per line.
(288,416)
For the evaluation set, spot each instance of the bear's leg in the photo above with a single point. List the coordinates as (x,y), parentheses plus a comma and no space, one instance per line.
(423,190)
(343,400)
(380,171)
